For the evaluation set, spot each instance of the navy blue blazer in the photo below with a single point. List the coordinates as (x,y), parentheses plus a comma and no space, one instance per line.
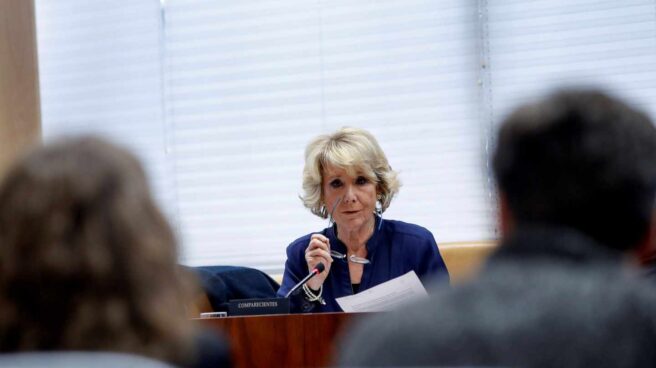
(394,249)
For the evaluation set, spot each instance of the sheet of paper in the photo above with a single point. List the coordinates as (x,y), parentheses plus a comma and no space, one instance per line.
(386,296)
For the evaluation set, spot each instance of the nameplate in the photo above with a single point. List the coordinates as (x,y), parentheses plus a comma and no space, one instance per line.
(249,307)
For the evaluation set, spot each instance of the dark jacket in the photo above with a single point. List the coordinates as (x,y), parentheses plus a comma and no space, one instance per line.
(548,298)
(394,249)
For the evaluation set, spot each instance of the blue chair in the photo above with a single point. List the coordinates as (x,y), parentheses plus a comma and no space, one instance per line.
(225,283)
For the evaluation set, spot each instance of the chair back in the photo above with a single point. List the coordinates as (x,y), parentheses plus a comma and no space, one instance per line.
(464,259)
(224,283)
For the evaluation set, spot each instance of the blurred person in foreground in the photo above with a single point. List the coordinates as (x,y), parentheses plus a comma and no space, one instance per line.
(87,261)
(576,175)
(348,178)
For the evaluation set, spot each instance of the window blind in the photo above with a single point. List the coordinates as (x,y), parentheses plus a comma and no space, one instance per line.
(219,98)
(539,45)
(250,83)
(100,71)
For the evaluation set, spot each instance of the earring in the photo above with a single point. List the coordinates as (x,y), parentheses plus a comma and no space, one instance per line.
(324,210)
(379,212)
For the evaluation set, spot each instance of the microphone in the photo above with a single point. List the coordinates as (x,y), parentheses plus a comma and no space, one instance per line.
(315,271)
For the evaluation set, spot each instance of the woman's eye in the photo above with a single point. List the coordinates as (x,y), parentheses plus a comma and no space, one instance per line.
(361,180)
(336,183)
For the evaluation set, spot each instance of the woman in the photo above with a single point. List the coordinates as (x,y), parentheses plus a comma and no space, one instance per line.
(347,178)
(87,261)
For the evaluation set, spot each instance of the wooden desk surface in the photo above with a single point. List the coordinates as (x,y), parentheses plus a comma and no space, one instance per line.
(291,340)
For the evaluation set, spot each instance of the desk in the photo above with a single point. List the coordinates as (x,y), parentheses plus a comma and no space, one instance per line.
(282,340)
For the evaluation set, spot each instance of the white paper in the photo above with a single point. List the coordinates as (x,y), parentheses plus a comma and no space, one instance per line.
(386,296)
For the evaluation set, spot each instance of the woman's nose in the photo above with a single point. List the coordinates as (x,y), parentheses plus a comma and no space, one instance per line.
(349,196)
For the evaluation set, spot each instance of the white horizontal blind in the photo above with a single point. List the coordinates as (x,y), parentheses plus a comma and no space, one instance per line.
(538,45)
(221,98)
(250,83)
(100,71)
(243,95)
(407,71)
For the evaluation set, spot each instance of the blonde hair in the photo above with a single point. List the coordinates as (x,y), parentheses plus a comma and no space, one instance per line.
(351,149)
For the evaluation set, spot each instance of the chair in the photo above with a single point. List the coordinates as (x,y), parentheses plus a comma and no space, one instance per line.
(224,283)
(464,259)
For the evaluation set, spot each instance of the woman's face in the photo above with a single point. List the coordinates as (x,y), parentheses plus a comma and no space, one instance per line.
(358,197)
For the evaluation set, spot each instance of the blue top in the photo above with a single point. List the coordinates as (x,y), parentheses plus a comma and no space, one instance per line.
(394,249)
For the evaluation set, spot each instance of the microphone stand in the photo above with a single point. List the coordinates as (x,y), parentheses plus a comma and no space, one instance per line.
(315,271)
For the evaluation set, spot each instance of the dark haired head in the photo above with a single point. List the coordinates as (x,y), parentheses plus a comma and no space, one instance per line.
(87,261)
(581,159)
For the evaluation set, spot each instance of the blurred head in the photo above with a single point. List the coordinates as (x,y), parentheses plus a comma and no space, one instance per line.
(581,159)
(87,261)
(350,167)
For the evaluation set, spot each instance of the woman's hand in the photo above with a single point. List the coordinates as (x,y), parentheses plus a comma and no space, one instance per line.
(318,251)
